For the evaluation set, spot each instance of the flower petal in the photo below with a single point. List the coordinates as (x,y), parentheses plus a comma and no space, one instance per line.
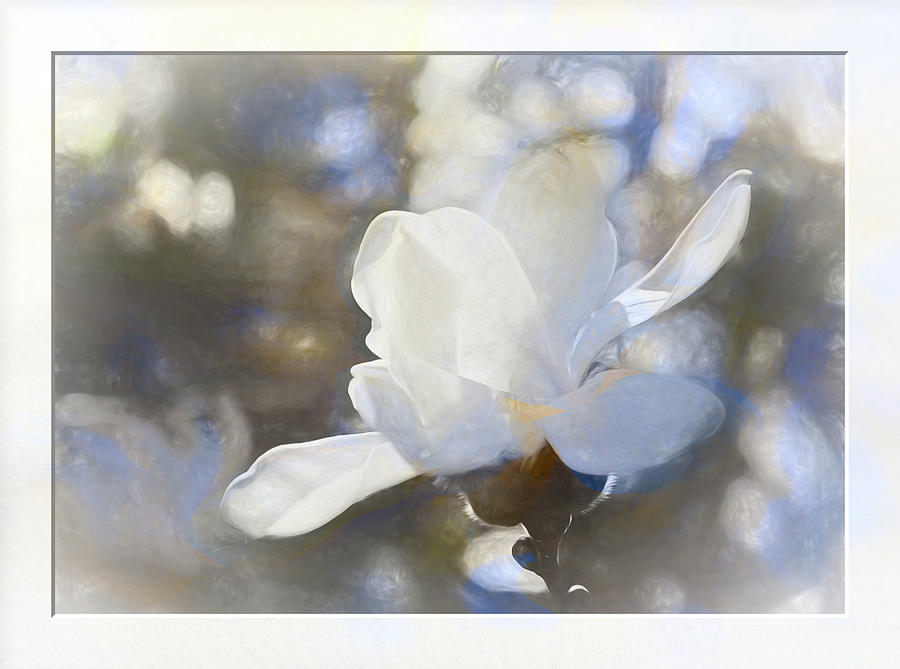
(297,488)
(624,420)
(604,325)
(550,209)
(697,254)
(489,562)
(447,288)
(443,423)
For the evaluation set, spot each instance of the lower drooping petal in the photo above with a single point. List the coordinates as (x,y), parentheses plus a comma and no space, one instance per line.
(624,421)
(297,488)
(441,422)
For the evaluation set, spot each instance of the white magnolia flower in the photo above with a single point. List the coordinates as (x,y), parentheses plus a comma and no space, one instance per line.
(486,329)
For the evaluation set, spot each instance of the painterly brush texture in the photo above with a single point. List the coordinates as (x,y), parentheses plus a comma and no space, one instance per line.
(429,334)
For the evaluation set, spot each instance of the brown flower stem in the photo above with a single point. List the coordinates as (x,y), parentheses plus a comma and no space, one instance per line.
(545,496)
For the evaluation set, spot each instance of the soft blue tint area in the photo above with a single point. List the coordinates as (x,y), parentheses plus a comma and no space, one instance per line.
(480,600)
(806,364)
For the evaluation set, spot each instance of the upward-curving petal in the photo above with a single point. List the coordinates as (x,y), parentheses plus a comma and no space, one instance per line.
(297,488)
(447,288)
(698,253)
(624,421)
(551,209)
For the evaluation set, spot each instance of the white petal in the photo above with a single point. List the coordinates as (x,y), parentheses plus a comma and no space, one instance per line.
(439,421)
(296,488)
(698,253)
(551,210)
(605,323)
(623,421)
(624,277)
(489,562)
(446,287)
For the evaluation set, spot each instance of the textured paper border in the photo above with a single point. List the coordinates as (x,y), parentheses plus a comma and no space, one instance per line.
(29,637)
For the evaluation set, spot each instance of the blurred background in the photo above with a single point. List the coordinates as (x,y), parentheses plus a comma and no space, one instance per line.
(207,212)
